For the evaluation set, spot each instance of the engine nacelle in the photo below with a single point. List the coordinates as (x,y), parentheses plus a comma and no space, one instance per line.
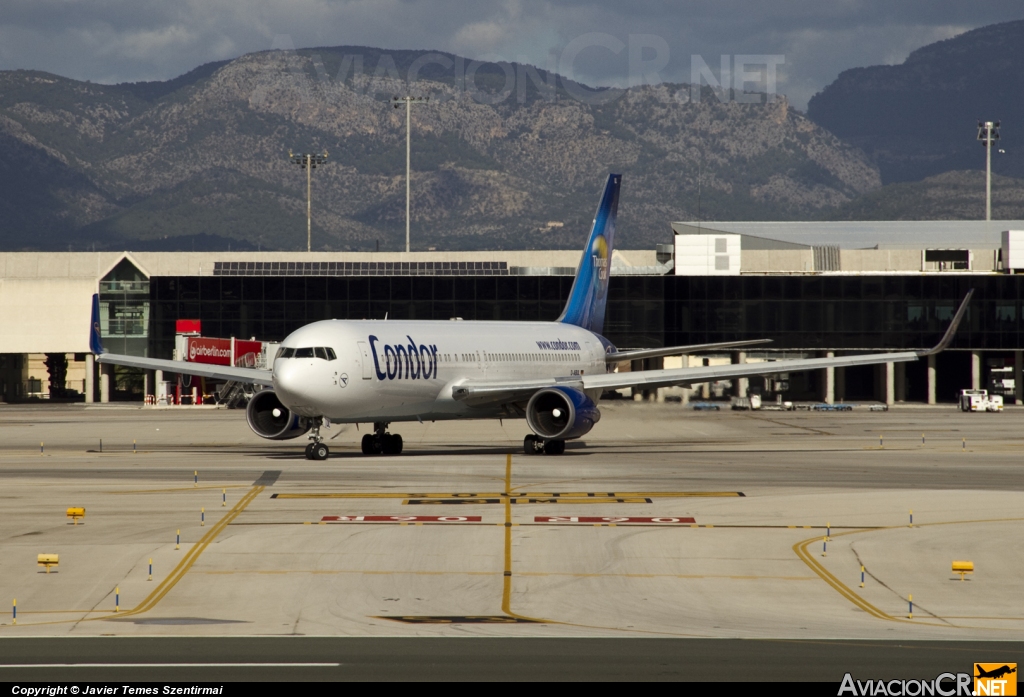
(268,418)
(561,413)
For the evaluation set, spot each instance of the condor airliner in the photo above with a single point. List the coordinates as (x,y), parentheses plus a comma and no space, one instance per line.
(550,373)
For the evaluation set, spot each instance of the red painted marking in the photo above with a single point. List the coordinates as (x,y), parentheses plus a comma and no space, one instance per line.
(611,519)
(400,519)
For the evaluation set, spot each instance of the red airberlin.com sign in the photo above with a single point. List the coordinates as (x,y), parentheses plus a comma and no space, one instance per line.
(203,349)
(610,519)
(401,519)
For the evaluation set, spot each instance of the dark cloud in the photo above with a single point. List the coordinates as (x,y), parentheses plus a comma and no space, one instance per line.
(130,40)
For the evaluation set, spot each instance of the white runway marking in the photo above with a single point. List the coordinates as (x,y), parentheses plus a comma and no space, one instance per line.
(169,665)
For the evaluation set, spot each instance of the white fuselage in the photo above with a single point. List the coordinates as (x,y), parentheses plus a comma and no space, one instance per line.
(405,370)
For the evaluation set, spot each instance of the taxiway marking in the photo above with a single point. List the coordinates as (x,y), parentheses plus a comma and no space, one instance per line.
(610,519)
(509,500)
(184,488)
(563,574)
(180,570)
(191,556)
(400,518)
(527,494)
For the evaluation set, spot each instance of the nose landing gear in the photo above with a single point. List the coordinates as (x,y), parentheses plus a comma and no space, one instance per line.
(316,450)
(380,442)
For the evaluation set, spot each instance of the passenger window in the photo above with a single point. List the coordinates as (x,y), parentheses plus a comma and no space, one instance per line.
(304,353)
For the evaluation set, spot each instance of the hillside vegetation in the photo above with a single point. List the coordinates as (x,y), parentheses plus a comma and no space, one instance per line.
(919,118)
(201,161)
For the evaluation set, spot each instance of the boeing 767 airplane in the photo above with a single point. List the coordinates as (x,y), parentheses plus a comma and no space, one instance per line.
(550,373)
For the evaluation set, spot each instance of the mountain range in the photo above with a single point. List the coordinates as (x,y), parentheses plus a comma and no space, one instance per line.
(503,155)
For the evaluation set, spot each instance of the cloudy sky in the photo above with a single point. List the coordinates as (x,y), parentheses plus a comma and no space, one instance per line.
(811,40)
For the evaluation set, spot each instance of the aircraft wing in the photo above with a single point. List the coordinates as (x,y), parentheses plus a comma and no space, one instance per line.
(637,354)
(221,372)
(690,376)
(479,393)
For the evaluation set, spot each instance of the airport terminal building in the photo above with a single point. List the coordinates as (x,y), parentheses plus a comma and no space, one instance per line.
(813,288)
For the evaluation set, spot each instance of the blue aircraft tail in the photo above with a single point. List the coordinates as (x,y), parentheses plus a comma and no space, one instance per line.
(589,294)
(95,345)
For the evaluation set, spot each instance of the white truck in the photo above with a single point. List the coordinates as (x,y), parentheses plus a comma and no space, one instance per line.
(980,400)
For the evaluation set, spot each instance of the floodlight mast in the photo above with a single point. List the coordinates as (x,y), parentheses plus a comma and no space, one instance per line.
(988,132)
(308,162)
(408,121)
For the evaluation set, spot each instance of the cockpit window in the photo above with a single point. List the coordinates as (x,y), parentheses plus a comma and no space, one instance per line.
(323,352)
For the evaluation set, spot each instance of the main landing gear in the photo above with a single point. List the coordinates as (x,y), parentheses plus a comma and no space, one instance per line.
(316,450)
(380,442)
(535,445)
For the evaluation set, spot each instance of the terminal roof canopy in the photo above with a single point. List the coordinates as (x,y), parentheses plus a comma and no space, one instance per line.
(887,234)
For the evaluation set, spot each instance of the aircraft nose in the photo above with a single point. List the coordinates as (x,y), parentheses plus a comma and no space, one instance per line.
(288,380)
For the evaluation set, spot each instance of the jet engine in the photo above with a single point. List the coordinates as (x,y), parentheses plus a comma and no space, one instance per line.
(268,418)
(561,413)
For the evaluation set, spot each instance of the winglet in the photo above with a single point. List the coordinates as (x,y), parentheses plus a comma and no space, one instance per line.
(95,344)
(947,338)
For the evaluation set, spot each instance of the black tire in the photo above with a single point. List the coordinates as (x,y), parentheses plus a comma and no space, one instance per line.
(368,445)
(397,444)
(530,445)
(554,447)
(321,452)
(309,451)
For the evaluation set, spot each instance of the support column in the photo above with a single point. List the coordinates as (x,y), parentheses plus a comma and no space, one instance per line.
(655,395)
(841,384)
(686,390)
(890,384)
(901,382)
(90,378)
(705,388)
(1018,368)
(636,392)
(158,386)
(975,370)
(931,379)
(828,392)
(105,375)
(739,385)
(147,383)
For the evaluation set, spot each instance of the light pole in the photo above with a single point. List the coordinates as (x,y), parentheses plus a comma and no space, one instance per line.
(309,162)
(408,121)
(988,131)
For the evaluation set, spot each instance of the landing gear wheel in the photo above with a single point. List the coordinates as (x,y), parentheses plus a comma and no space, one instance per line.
(319,451)
(554,447)
(370,445)
(309,451)
(392,444)
(532,445)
